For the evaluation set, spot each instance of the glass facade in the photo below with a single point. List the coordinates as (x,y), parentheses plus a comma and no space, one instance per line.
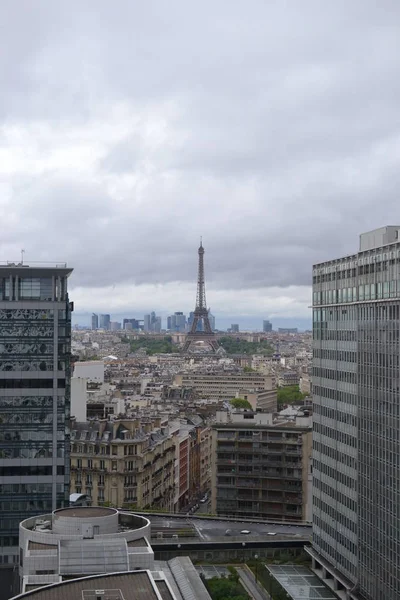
(35,350)
(356,438)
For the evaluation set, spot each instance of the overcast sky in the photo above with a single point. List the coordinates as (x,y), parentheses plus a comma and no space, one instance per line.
(128,129)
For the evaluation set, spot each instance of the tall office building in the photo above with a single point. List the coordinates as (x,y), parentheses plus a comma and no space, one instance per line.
(234,328)
(133,322)
(105,321)
(177,322)
(211,318)
(95,321)
(152,323)
(156,325)
(356,440)
(35,351)
(267,326)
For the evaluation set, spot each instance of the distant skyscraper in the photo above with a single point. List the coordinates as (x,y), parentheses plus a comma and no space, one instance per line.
(152,323)
(115,325)
(177,322)
(105,321)
(95,321)
(267,326)
(235,328)
(211,318)
(35,342)
(356,441)
(134,322)
(156,326)
(288,330)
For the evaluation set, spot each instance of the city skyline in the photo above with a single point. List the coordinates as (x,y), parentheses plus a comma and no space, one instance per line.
(256,141)
(246,323)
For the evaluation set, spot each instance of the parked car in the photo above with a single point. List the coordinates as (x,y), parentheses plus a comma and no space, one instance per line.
(245,531)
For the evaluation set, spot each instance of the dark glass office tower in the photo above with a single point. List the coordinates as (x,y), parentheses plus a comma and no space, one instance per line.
(35,351)
(356,437)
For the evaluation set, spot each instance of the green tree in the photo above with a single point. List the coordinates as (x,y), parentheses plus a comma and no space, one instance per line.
(226,589)
(234,345)
(154,346)
(290,395)
(241,403)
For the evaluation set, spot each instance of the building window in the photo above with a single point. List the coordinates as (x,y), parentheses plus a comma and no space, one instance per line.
(114,450)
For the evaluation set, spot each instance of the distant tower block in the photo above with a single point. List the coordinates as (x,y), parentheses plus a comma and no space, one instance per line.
(200,315)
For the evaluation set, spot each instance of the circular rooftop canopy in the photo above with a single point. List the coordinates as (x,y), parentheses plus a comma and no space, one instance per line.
(84,512)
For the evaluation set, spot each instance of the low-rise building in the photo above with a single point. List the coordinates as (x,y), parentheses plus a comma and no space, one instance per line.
(224,386)
(97,553)
(262,400)
(78,541)
(288,378)
(176,579)
(260,468)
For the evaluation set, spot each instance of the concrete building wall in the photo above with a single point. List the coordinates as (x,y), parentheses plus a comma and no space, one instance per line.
(93,370)
(224,387)
(356,333)
(79,398)
(260,471)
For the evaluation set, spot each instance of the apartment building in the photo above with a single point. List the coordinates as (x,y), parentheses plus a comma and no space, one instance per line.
(356,477)
(260,469)
(126,463)
(224,386)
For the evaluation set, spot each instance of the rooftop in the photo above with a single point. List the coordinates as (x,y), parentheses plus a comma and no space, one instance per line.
(299,582)
(136,585)
(85,512)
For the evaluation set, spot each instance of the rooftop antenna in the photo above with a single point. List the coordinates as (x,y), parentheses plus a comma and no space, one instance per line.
(22,256)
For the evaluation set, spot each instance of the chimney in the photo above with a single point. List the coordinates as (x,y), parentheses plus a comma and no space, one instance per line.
(102,426)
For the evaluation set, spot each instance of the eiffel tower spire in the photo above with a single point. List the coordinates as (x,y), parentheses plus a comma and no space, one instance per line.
(201,312)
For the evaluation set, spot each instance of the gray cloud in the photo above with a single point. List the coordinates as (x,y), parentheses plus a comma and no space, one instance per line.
(129,130)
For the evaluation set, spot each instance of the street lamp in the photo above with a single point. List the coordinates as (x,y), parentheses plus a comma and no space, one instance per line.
(256,559)
(244,546)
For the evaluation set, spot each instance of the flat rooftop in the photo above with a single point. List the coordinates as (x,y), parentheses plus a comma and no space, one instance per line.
(85,512)
(136,585)
(300,582)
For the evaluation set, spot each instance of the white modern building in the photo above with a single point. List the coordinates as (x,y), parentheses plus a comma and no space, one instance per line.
(81,541)
(176,579)
(93,370)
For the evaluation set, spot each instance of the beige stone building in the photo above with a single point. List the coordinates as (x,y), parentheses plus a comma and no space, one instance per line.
(224,386)
(261,470)
(125,463)
(262,400)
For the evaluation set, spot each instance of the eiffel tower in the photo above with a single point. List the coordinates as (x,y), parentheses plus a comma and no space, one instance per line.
(201,314)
